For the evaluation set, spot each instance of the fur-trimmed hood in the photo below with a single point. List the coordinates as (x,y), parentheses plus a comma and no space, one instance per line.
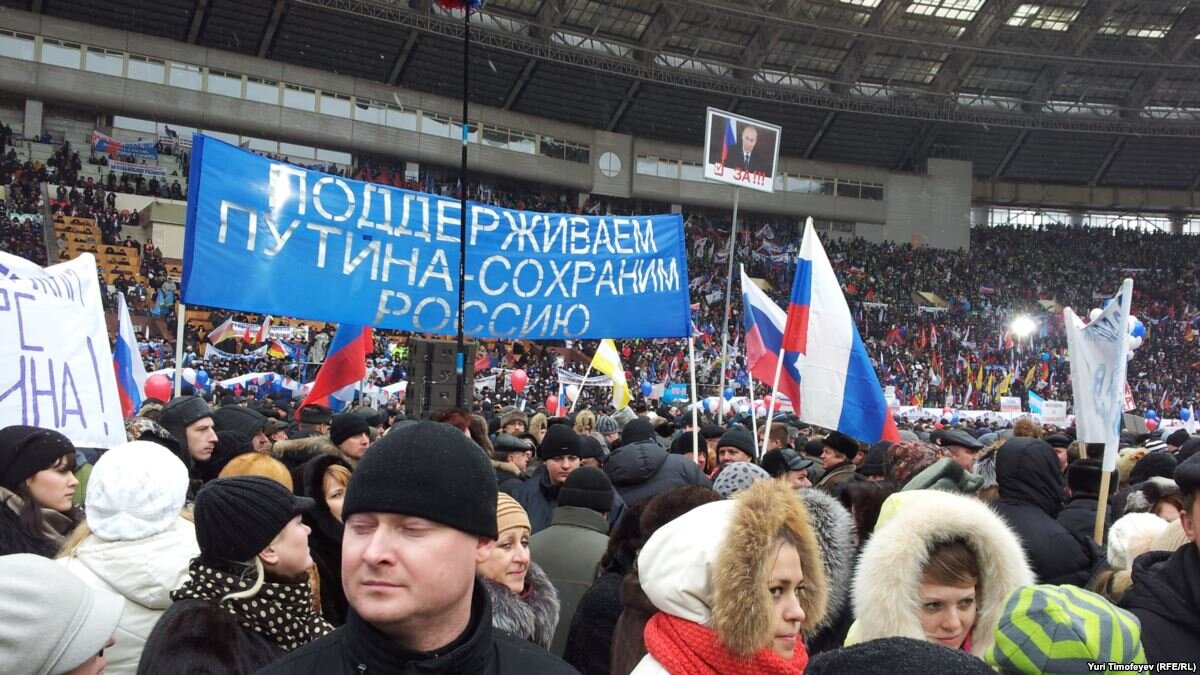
(533,615)
(890,568)
(708,566)
(834,528)
(295,452)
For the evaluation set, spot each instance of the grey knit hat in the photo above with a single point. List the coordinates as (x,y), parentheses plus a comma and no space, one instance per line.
(738,476)
(607,425)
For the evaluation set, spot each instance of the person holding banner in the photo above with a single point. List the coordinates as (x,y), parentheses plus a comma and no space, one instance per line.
(37,487)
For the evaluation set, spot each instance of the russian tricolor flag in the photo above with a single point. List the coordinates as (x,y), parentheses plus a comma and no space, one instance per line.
(127,362)
(731,139)
(344,368)
(764,322)
(838,386)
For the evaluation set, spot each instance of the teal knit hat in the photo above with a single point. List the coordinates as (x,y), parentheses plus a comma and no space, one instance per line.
(946,475)
(1061,629)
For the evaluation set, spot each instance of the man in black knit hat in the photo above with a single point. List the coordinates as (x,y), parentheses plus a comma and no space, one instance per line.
(420,514)
(559,453)
(352,435)
(190,422)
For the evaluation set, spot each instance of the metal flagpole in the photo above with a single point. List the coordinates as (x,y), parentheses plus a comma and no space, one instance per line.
(774,397)
(460,354)
(737,192)
(180,323)
(695,401)
(585,377)
(754,421)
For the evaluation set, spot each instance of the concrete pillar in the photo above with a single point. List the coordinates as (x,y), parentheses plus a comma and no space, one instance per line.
(33,118)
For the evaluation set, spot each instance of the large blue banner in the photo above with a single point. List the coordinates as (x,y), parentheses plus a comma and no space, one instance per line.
(270,237)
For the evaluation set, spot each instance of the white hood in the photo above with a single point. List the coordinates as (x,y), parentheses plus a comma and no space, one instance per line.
(676,567)
(144,571)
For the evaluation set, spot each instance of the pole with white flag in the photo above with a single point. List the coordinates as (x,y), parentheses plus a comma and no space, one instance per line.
(695,400)
(179,326)
(1099,358)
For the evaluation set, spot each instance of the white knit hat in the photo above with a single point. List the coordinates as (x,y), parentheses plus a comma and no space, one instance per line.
(1130,536)
(53,622)
(136,490)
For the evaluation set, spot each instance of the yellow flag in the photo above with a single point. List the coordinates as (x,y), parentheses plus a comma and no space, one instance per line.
(1029,375)
(979,379)
(991,383)
(1004,385)
(608,361)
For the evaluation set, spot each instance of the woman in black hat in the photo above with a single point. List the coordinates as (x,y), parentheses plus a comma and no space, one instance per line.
(248,600)
(37,486)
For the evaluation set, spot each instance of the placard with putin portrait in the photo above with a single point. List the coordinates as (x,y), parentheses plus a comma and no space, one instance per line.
(740,151)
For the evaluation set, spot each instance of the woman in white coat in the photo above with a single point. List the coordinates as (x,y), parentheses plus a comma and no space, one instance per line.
(737,583)
(937,568)
(136,542)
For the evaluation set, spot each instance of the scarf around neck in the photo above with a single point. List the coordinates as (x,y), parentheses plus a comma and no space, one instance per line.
(282,613)
(683,646)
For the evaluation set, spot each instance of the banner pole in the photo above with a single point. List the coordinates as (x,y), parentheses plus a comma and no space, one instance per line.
(775,395)
(464,216)
(180,323)
(737,191)
(1101,507)
(695,401)
(754,422)
(581,385)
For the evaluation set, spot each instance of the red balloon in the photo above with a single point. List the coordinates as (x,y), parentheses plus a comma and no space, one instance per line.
(1151,425)
(767,401)
(158,386)
(552,404)
(518,379)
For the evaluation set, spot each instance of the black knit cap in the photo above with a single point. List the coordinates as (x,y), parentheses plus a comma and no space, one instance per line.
(590,447)
(347,425)
(1178,437)
(738,437)
(898,656)
(708,431)
(237,418)
(182,412)
(428,470)
(1187,476)
(559,440)
(587,487)
(238,517)
(637,429)
(26,450)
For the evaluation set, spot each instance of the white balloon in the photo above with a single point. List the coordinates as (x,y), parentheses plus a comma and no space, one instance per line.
(572,391)
(1131,322)
(189,375)
(1134,342)
(1096,311)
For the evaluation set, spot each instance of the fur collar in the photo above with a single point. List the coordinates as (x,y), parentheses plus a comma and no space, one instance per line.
(741,607)
(532,615)
(890,568)
(506,467)
(295,452)
(835,532)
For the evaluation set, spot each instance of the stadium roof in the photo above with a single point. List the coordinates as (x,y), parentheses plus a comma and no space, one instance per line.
(1099,92)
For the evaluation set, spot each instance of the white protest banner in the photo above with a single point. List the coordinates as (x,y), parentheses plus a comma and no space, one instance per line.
(1054,412)
(56,365)
(1010,404)
(1098,362)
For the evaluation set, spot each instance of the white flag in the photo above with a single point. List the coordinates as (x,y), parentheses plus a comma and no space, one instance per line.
(1098,363)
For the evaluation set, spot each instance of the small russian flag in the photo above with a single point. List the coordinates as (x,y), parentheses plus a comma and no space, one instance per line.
(127,362)
(343,369)
(731,139)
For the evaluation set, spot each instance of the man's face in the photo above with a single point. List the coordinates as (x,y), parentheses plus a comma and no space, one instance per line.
(514,428)
(201,439)
(520,459)
(1191,522)
(405,575)
(728,454)
(964,457)
(749,139)
(831,458)
(561,467)
(260,443)
(798,479)
(355,446)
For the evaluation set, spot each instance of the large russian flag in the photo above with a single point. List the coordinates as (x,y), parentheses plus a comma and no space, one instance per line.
(127,362)
(838,385)
(344,368)
(764,322)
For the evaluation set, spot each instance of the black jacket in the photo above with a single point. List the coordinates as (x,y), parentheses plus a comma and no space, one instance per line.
(358,648)
(589,640)
(325,539)
(539,499)
(1079,516)
(195,636)
(1166,598)
(507,476)
(1028,477)
(643,469)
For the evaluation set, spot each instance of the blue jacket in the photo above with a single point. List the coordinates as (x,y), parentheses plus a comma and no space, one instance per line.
(539,499)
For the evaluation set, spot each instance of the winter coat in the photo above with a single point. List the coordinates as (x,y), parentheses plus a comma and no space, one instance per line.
(569,552)
(508,476)
(1027,474)
(590,637)
(709,567)
(831,482)
(628,638)
(1079,516)
(143,572)
(195,636)
(539,498)
(835,533)
(325,538)
(1166,599)
(358,648)
(890,568)
(296,452)
(13,538)
(643,469)
(533,614)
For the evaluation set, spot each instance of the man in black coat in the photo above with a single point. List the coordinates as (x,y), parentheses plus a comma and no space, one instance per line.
(1029,481)
(1083,482)
(1166,586)
(639,468)
(559,453)
(420,514)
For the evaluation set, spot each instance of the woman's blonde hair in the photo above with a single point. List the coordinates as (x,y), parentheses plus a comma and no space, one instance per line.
(339,473)
(585,422)
(82,532)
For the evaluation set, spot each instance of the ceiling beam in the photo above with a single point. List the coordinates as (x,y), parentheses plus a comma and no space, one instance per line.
(1075,41)
(1175,45)
(1118,143)
(623,105)
(406,51)
(665,22)
(1013,149)
(197,21)
(519,85)
(549,16)
(268,37)
(985,24)
(863,48)
(918,148)
(819,135)
(762,43)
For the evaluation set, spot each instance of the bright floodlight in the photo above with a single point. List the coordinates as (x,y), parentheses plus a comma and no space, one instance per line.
(1022,327)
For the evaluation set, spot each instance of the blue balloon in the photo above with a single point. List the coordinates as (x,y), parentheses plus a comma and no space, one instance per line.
(202,378)
(647,388)
(1045,356)
(954,418)
(1139,329)
(1185,414)
(1151,414)
(728,393)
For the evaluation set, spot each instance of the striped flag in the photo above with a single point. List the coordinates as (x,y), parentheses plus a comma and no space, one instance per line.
(608,361)
(127,362)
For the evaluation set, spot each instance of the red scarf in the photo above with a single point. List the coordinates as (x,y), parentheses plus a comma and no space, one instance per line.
(683,646)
